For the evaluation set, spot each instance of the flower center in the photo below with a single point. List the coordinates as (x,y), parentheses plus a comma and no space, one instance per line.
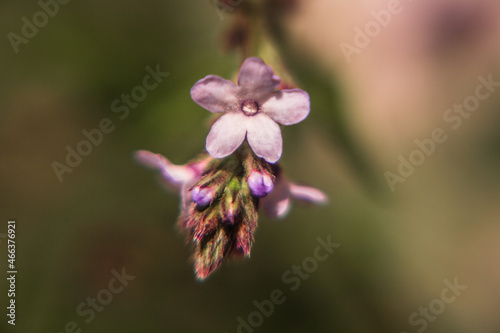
(249,107)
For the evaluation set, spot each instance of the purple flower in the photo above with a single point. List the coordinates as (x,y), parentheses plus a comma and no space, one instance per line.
(277,203)
(202,196)
(174,175)
(260,184)
(252,110)
(180,177)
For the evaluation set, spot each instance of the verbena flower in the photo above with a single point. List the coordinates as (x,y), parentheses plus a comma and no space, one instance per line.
(252,110)
(223,190)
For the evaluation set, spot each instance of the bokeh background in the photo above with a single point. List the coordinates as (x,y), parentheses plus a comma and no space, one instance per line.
(397,248)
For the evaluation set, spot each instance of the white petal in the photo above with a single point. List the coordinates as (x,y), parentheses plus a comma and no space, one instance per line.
(307,194)
(226,135)
(215,94)
(257,77)
(149,159)
(287,107)
(264,136)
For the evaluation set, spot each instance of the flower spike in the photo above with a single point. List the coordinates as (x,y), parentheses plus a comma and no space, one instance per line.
(222,191)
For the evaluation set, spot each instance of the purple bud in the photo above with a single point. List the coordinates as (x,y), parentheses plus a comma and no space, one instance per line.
(260,184)
(202,196)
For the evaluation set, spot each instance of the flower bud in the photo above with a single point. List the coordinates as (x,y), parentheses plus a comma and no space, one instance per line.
(229,215)
(260,184)
(202,196)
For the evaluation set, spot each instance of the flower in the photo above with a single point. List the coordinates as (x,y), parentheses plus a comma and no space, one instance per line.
(180,177)
(277,203)
(252,110)
(221,196)
(174,175)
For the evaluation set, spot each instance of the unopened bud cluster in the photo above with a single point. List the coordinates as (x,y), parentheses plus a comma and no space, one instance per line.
(221,218)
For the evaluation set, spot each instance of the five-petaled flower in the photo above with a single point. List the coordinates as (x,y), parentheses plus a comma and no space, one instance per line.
(252,110)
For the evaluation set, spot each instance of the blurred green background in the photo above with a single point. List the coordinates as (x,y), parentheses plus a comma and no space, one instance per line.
(396,248)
